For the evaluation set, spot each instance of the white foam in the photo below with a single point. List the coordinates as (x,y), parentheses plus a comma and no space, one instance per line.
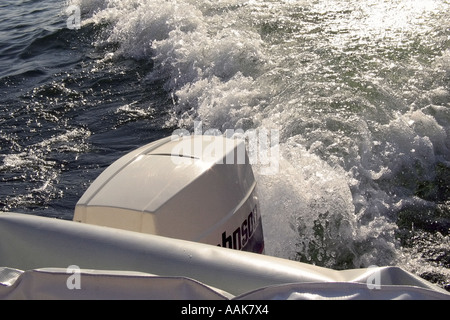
(307,194)
(209,70)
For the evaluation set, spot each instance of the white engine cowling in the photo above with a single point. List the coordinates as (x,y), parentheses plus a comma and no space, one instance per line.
(197,188)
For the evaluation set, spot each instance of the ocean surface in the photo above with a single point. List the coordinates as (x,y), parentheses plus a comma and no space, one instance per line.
(359,91)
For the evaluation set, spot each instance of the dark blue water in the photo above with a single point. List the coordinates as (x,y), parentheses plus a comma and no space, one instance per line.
(359,91)
(64,114)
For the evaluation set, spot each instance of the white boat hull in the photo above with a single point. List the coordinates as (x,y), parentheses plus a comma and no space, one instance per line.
(38,256)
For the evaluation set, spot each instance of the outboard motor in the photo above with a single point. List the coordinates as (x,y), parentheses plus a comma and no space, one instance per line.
(197,188)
